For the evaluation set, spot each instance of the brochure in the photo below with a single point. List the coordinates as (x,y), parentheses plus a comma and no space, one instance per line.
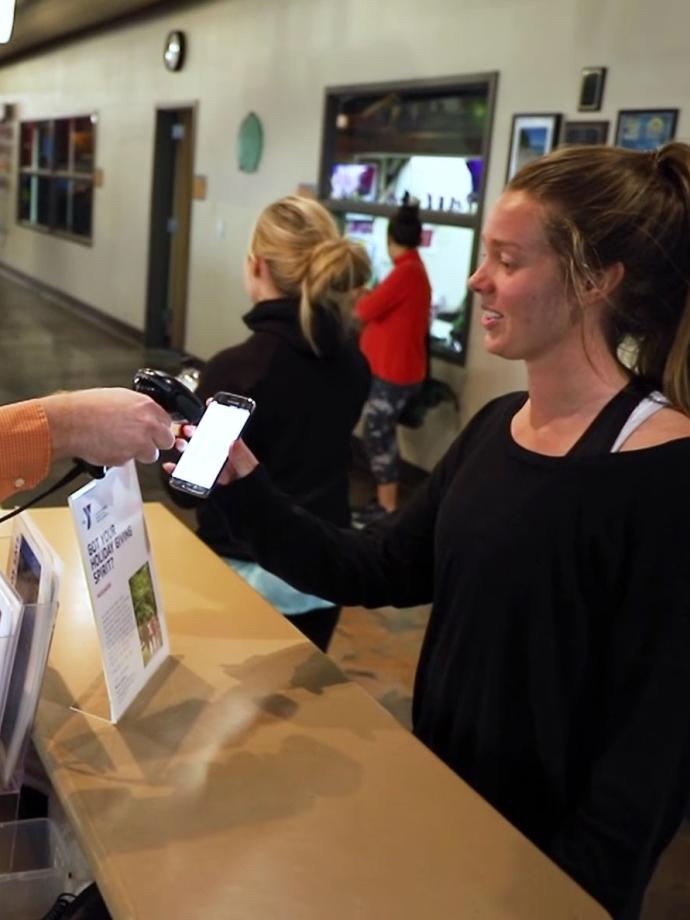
(11,609)
(108,515)
(34,571)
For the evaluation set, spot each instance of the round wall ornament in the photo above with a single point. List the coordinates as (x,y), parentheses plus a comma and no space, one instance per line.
(250,143)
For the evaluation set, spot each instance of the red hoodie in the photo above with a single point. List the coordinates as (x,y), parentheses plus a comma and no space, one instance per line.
(396,318)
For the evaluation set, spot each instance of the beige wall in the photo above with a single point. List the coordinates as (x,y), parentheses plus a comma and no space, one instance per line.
(276,57)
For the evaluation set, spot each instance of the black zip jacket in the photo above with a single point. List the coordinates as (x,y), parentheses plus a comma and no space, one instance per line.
(306,408)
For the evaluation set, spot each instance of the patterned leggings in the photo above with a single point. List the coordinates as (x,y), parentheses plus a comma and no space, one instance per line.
(381,413)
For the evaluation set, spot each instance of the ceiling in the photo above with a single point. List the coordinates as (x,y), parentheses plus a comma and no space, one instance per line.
(39,23)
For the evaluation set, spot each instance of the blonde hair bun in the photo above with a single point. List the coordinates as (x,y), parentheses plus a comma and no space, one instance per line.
(308,258)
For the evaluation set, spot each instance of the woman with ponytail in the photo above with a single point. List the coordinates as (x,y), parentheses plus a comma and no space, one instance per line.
(302,366)
(554,537)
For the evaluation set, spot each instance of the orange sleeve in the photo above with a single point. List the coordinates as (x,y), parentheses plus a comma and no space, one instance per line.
(25,446)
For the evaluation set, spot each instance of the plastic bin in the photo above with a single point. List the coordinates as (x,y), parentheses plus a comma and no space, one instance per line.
(33,868)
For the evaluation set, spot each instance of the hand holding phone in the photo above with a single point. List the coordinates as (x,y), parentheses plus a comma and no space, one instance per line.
(207,451)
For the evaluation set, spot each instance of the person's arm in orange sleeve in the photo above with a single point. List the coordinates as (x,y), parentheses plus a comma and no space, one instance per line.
(106,427)
(26,451)
(382,299)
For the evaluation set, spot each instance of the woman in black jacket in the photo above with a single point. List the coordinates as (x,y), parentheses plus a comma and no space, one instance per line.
(302,366)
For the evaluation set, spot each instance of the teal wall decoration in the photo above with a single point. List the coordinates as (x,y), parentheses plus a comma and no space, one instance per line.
(250,143)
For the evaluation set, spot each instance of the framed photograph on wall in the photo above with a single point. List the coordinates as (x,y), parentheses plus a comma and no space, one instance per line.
(531,136)
(585,132)
(645,129)
(591,89)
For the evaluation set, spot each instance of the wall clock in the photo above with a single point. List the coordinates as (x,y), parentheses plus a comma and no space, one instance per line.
(173,53)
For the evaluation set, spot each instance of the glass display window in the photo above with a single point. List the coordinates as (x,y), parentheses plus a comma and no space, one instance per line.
(55,189)
(429,140)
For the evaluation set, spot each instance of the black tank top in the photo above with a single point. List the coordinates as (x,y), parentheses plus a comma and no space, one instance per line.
(601,434)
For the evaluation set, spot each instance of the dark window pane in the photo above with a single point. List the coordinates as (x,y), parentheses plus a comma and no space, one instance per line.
(82,208)
(83,144)
(42,204)
(34,203)
(63,204)
(25,197)
(43,144)
(26,144)
(450,123)
(62,132)
(73,201)
(36,146)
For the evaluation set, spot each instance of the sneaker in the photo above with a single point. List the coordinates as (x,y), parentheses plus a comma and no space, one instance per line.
(367,514)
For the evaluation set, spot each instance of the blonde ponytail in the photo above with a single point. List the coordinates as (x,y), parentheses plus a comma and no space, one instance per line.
(337,269)
(308,259)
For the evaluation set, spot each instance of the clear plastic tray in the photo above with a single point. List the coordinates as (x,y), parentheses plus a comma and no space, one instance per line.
(33,868)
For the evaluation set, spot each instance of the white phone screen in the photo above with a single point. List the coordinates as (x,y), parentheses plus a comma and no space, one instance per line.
(208,447)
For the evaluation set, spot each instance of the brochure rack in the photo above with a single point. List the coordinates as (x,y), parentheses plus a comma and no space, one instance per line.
(9,792)
(33,868)
(9,800)
(28,608)
(24,689)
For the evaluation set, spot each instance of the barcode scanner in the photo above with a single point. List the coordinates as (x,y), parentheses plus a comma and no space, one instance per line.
(181,403)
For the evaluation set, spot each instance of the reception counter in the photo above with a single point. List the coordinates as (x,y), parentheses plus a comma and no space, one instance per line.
(251,779)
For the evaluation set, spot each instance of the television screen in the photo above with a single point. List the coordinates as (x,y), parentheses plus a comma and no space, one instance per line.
(354,180)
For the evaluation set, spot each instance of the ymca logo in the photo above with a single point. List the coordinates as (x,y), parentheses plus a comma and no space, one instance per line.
(87,516)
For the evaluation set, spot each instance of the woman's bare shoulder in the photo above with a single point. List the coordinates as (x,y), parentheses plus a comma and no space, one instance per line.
(665,425)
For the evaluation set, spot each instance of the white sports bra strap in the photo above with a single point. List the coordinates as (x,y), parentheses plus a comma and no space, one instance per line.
(642,411)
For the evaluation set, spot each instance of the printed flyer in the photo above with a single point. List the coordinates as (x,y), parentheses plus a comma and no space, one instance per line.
(109,517)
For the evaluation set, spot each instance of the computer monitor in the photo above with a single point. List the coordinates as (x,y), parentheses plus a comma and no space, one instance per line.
(358,181)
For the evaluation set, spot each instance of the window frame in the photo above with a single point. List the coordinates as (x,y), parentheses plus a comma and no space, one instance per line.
(334,99)
(55,175)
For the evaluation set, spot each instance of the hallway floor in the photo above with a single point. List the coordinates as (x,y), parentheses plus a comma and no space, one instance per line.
(45,347)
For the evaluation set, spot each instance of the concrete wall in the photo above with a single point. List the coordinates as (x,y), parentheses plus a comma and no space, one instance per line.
(275,57)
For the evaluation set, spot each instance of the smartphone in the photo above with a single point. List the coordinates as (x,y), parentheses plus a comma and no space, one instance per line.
(205,455)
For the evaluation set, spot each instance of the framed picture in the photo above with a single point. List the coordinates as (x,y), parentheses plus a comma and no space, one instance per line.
(585,132)
(531,136)
(591,89)
(645,129)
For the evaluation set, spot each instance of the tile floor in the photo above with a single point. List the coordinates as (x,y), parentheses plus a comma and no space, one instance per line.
(46,347)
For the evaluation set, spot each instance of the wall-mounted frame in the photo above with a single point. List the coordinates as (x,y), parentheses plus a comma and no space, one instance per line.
(531,136)
(430,138)
(645,129)
(591,89)
(585,132)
